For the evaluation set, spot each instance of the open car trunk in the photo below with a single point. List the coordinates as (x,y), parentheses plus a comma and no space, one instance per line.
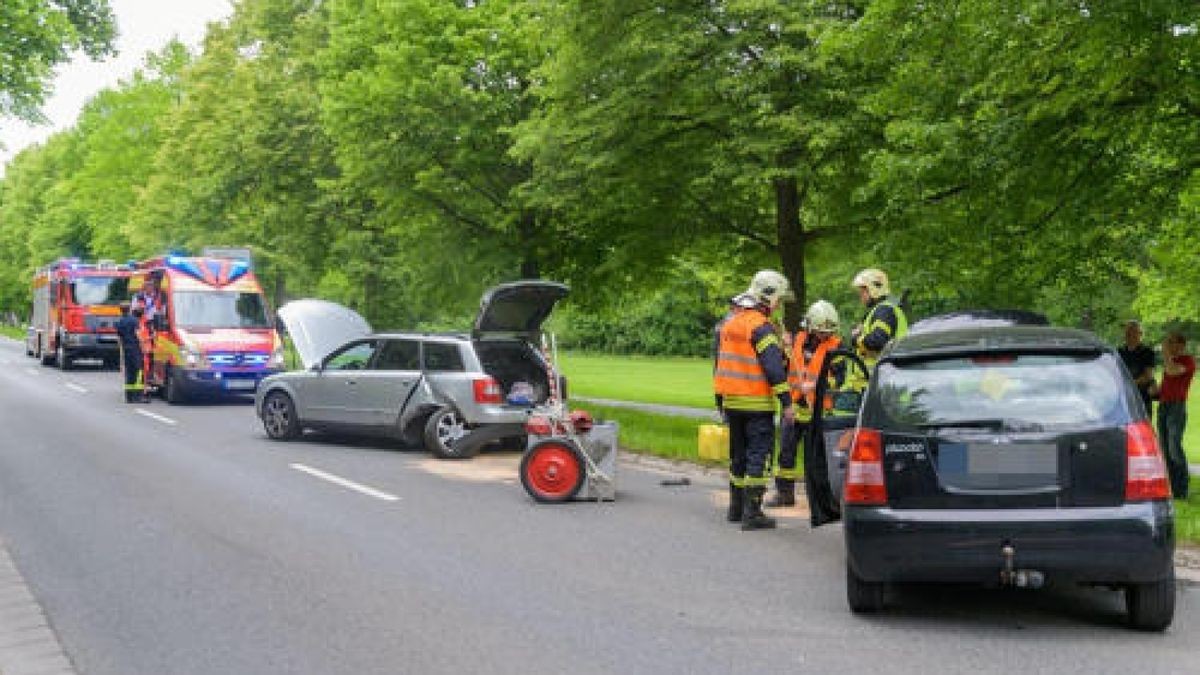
(513,362)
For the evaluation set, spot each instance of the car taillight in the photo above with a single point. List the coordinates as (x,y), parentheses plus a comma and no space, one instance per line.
(487,390)
(864,471)
(1145,471)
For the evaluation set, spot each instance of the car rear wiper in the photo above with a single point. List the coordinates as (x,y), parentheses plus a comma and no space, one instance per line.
(998,423)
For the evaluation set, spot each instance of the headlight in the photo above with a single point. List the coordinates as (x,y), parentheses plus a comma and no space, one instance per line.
(277,358)
(188,356)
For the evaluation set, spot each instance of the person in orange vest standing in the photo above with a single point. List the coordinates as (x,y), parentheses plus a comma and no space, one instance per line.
(749,381)
(809,348)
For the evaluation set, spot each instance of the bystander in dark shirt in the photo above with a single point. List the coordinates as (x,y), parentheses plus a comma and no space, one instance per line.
(1137,360)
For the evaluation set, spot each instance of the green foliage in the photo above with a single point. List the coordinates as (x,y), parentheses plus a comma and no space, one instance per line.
(37,36)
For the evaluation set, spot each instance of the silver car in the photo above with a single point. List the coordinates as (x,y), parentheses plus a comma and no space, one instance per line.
(452,392)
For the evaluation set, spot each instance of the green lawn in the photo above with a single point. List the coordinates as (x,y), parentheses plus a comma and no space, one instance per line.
(14,332)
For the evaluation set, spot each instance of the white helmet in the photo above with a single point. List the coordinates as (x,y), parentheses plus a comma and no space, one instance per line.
(769,287)
(875,281)
(822,317)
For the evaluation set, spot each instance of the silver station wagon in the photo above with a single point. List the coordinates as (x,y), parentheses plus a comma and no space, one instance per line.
(454,393)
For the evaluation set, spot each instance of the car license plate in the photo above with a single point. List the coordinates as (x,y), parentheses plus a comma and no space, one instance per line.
(999,465)
(240,384)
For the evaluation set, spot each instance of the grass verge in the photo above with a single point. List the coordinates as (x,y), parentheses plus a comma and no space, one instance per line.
(14,332)
(669,381)
(652,434)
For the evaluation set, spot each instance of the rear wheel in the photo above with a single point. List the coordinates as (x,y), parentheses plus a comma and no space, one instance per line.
(444,429)
(863,596)
(62,357)
(47,359)
(1151,606)
(553,471)
(279,417)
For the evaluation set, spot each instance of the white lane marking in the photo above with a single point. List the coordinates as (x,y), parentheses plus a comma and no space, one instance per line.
(75,387)
(159,418)
(338,480)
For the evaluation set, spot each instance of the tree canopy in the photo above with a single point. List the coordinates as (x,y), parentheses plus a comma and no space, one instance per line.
(401,156)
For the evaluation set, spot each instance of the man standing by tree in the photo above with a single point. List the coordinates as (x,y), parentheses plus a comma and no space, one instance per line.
(885,320)
(1139,360)
(1178,369)
(749,376)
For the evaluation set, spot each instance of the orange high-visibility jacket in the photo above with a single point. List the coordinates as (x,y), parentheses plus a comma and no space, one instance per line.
(802,374)
(738,372)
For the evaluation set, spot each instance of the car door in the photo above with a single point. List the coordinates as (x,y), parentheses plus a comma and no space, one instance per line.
(831,433)
(334,394)
(385,387)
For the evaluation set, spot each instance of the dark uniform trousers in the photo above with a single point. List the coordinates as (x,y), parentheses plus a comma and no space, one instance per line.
(132,368)
(751,444)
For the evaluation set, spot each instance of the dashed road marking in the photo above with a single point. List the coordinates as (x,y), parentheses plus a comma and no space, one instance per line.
(78,388)
(349,484)
(155,417)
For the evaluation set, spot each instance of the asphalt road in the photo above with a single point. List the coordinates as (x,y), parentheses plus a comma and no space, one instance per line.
(190,543)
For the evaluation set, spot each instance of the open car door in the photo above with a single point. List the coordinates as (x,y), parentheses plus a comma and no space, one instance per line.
(830,434)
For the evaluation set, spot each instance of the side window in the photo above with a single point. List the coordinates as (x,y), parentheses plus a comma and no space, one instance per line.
(354,357)
(443,357)
(399,355)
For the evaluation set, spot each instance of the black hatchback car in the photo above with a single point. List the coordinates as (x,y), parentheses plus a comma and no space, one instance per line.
(1007,455)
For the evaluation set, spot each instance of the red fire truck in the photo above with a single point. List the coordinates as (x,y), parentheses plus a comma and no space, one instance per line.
(75,310)
(209,324)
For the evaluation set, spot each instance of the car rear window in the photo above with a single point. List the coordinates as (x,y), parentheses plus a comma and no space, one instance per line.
(1011,390)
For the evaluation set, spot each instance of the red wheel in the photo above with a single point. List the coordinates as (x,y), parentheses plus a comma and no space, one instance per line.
(552,471)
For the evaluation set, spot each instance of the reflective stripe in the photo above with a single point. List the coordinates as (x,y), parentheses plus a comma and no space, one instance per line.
(738,358)
(767,341)
(749,403)
(740,376)
(802,375)
(757,481)
(789,474)
(737,481)
(871,324)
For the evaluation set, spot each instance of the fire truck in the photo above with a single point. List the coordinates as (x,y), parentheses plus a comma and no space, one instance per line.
(207,326)
(76,306)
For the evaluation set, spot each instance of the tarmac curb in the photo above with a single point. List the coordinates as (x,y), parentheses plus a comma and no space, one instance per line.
(28,644)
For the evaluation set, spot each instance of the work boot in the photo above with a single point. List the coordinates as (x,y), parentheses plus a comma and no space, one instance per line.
(753,517)
(785,493)
(737,497)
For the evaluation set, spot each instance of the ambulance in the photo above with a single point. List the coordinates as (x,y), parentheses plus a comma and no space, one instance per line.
(207,328)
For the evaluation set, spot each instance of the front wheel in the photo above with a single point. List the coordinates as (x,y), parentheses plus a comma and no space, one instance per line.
(444,429)
(172,389)
(553,471)
(1151,606)
(279,417)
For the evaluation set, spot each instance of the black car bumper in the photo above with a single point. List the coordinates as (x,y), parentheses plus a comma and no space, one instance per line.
(1133,543)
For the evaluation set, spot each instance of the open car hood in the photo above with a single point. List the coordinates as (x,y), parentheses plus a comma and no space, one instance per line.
(517,309)
(317,327)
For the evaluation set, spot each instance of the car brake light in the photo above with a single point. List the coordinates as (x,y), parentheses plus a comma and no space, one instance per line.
(1146,473)
(864,471)
(487,390)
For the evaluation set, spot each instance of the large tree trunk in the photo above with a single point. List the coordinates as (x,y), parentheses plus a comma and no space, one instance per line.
(791,247)
(527,235)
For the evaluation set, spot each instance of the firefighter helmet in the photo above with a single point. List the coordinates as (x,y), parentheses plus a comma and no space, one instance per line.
(822,317)
(769,287)
(875,281)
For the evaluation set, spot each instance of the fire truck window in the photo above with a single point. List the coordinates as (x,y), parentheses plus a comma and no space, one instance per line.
(99,290)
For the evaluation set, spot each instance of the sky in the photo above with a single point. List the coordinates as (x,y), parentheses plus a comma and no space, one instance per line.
(143,26)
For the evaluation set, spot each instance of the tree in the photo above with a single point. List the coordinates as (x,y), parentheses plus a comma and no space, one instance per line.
(40,34)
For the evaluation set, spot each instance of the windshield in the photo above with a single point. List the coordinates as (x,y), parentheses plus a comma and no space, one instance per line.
(99,290)
(219,309)
(1006,391)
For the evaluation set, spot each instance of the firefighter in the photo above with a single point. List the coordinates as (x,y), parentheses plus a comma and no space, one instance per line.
(749,377)
(820,336)
(885,320)
(129,328)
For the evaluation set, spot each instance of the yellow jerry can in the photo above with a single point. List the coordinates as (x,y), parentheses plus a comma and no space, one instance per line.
(714,441)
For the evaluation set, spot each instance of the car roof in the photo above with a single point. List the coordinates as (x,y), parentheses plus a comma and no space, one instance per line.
(985,339)
(978,318)
(447,337)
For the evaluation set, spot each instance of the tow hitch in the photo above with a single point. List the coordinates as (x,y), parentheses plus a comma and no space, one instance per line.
(1018,578)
